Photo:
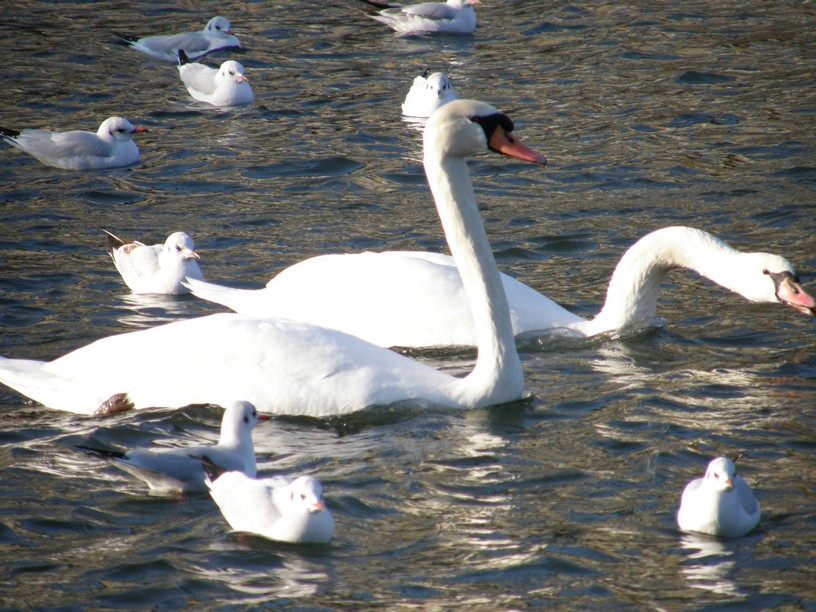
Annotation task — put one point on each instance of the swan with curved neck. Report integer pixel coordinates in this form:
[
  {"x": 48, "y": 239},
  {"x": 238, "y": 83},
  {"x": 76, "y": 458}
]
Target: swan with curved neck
[
  {"x": 417, "y": 299},
  {"x": 286, "y": 367}
]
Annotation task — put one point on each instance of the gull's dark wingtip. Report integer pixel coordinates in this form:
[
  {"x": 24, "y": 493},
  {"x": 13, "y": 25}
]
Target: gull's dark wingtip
[
  {"x": 9, "y": 133},
  {"x": 125, "y": 39}
]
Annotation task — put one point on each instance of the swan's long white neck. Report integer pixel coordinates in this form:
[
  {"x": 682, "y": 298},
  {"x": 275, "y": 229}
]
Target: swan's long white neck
[
  {"x": 498, "y": 375},
  {"x": 633, "y": 290}
]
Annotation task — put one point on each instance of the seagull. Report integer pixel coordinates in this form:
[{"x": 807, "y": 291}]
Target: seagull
[
  {"x": 453, "y": 17},
  {"x": 226, "y": 86},
  {"x": 278, "y": 508},
  {"x": 428, "y": 93},
  {"x": 179, "y": 470},
  {"x": 111, "y": 146},
  {"x": 215, "y": 35},
  {"x": 720, "y": 503},
  {"x": 159, "y": 268}
]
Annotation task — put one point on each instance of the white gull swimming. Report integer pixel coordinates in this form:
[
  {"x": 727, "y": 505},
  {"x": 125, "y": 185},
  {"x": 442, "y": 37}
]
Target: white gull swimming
[
  {"x": 111, "y": 146},
  {"x": 720, "y": 503},
  {"x": 224, "y": 86},
  {"x": 158, "y": 268},
  {"x": 278, "y": 508},
  {"x": 217, "y": 34},
  {"x": 176, "y": 470}
]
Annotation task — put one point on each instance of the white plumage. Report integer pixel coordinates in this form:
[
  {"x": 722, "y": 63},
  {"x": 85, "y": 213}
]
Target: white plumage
[
  {"x": 217, "y": 34},
  {"x": 176, "y": 470},
  {"x": 720, "y": 503},
  {"x": 278, "y": 508},
  {"x": 111, "y": 146},
  {"x": 158, "y": 268}
]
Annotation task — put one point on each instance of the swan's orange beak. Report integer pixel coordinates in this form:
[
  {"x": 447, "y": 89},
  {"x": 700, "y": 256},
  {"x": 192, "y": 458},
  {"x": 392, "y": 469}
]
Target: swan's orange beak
[
  {"x": 791, "y": 293},
  {"x": 507, "y": 144}
]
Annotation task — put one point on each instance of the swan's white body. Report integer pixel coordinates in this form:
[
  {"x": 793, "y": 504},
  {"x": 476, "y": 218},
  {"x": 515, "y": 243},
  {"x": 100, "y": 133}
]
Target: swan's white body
[
  {"x": 111, "y": 146},
  {"x": 720, "y": 503},
  {"x": 453, "y": 17},
  {"x": 428, "y": 94},
  {"x": 215, "y": 35},
  {"x": 177, "y": 470},
  {"x": 286, "y": 367},
  {"x": 416, "y": 299},
  {"x": 158, "y": 268},
  {"x": 277, "y": 508},
  {"x": 225, "y": 86}
]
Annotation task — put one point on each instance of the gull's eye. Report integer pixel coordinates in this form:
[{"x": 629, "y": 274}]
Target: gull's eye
[
  {"x": 246, "y": 419},
  {"x": 303, "y": 496}
]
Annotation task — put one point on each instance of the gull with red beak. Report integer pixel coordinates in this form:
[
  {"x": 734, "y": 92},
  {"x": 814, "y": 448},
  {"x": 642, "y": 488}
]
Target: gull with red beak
[
  {"x": 225, "y": 86},
  {"x": 452, "y": 16},
  {"x": 278, "y": 508},
  {"x": 179, "y": 470},
  {"x": 217, "y": 34},
  {"x": 158, "y": 268},
  {"x": 720, "y": 503},
  {"x": 111, "y": 146}
]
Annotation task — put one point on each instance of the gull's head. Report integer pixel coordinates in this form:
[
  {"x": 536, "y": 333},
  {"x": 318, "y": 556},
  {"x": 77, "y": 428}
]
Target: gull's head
[
  {"x": 439, "y": 84},
  {"x": 232, "y": 71},
  {"x": 219, "y": 26},
  {"x": 306, "y": 493},
  {"x": 118, "y": 128},
  {"x": 720, "y": 474},
  {"x": 180, "y": 245},
  {"x": 241, "y": 416}
]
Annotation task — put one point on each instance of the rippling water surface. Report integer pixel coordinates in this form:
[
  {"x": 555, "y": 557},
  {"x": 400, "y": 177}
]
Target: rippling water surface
[{"x": 652, "y": 113}]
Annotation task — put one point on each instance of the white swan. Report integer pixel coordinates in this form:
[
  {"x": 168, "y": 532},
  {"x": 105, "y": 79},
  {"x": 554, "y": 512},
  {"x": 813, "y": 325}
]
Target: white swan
[
  {"x": 111, "y": 146},
  {"x": 720, "y": 503},
  {"x": 286, "y": 367},
  {"x": 217, "y": 34},
  {"x": 158, "y": 268},
  {"x": 453, "y": 17},
  {"x": 416, "y": 299},
  {"x": 178, "y": 470}
]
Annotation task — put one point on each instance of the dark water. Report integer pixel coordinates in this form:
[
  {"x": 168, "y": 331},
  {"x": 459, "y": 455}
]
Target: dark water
[{"x": 652, "y": 114}]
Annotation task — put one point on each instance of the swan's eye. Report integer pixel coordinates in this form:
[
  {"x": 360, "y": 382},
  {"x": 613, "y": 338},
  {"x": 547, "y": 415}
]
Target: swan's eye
[{"x": 766, "y": 271}]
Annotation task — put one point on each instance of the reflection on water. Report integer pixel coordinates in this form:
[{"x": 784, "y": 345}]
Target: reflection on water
[{"x": 708, "y": 565}]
